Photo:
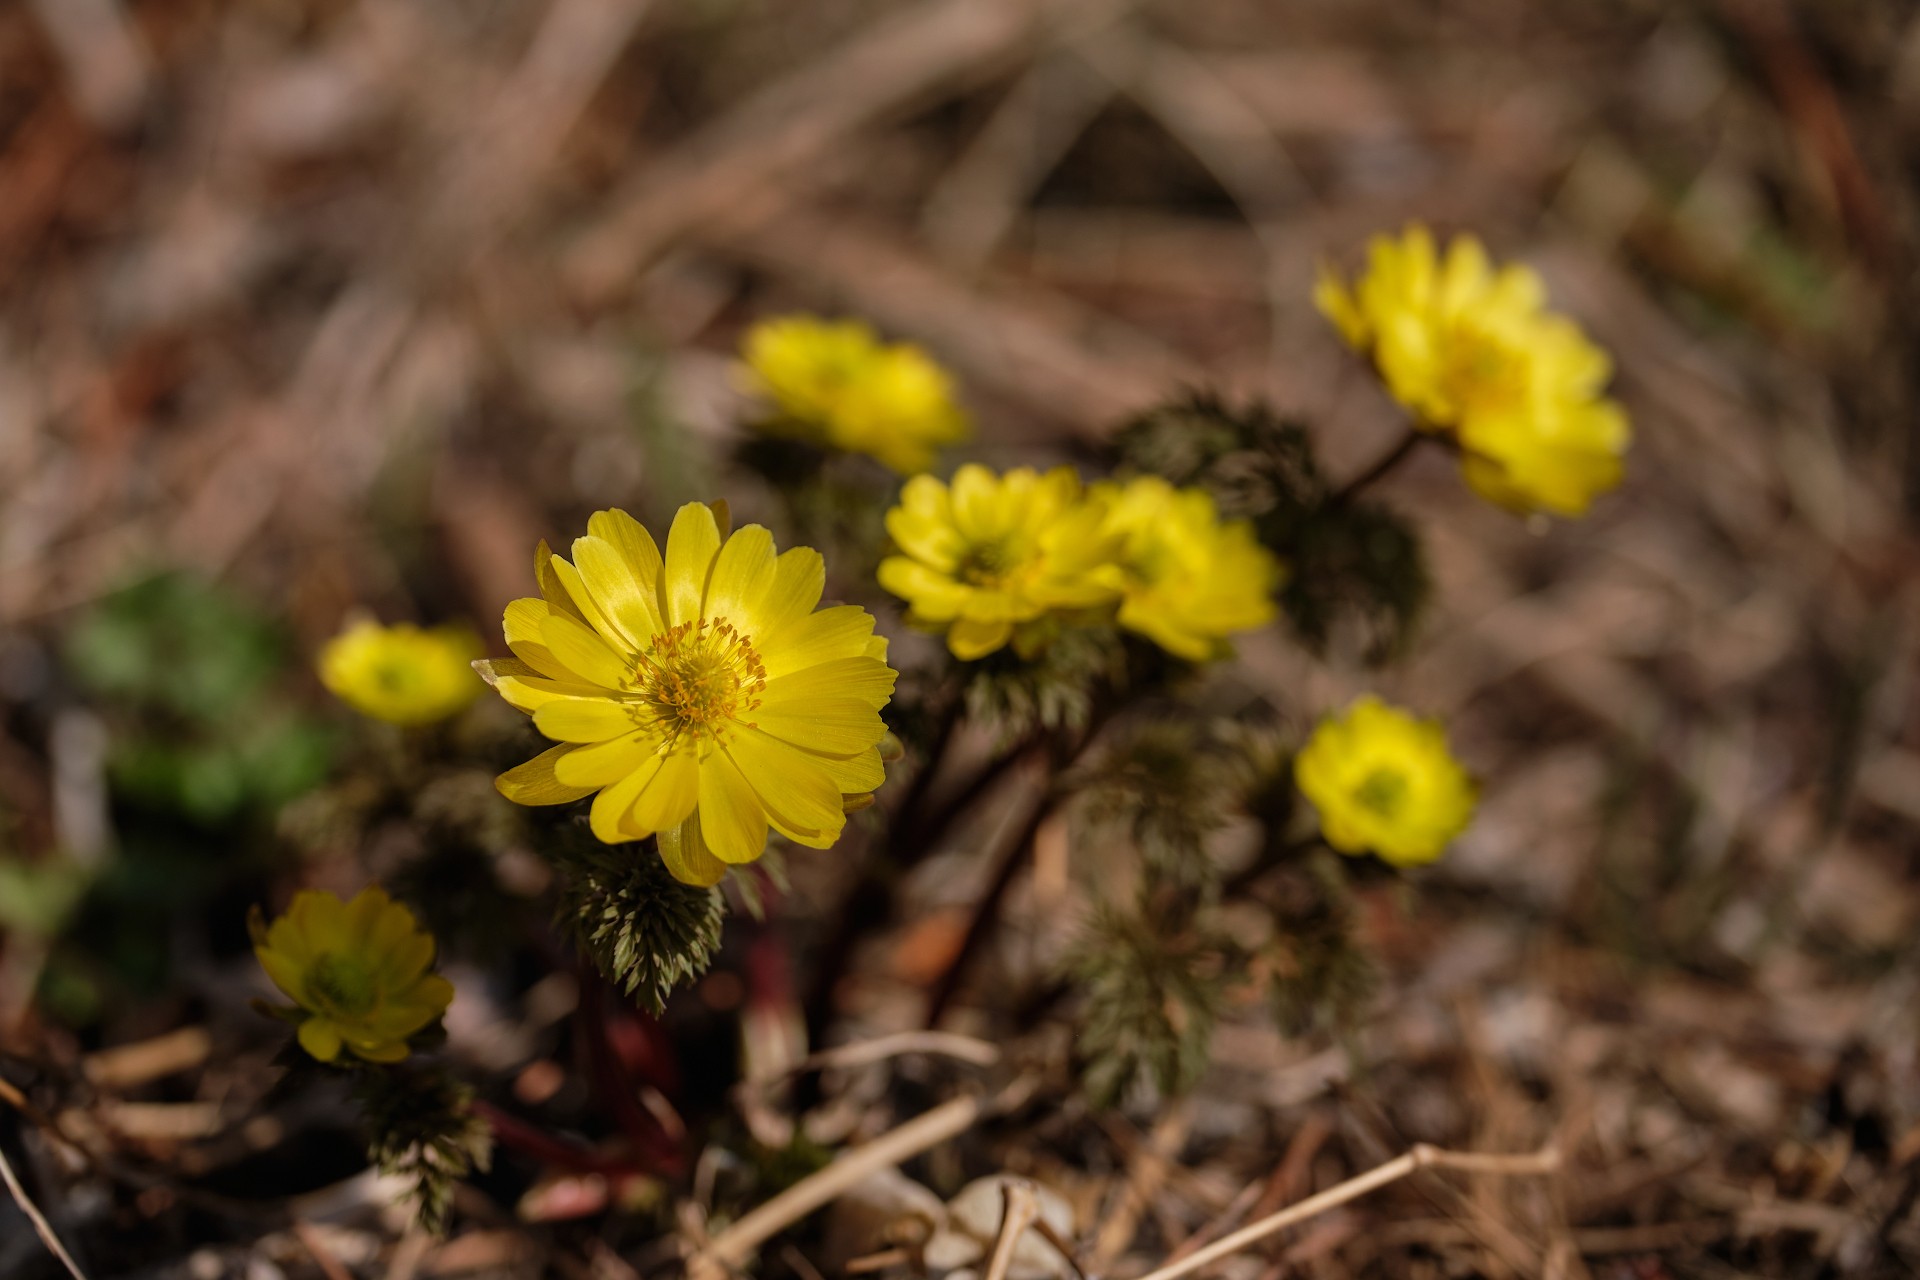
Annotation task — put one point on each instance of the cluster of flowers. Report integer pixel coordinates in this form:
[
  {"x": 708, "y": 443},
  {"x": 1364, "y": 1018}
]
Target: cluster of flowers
[
  {"x": 834, "y": 383},
  {"x": 996, "y": 559},
  {"x": 1476, "y": 359},
  {"x": 700, "y": 695}
]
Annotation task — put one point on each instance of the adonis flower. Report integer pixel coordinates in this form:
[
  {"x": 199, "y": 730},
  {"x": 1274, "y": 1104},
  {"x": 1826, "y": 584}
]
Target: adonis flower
[
  {"x": 1188, "y": 580},
  {"x": 836, "y": 384},
  {"x": 1384, "y": 782},
  {"x": 355, "y": 971},
  {"x": 1472, "y": 353},
  {"x": 402, "y": 674},
  {"x": 701, "y": 694},
  {"x": 990, "y": 552}
]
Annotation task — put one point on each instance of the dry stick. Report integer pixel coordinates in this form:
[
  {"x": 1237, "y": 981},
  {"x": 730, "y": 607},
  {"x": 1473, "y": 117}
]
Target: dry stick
[
  {"x": 736, "y": 1244},
  {"x": 947, "y": 1044},
  {"x": 41, "y": 1226},
  {"x": 317, "y": 1248},
  {"x": 1018, "y": 1209},
  {"x": 1544, "y": 1161}
]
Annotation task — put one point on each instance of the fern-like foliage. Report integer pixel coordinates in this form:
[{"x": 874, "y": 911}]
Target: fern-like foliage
[
  {"x": 1050, "y": 687},
  {"x": 1322, "y": 975},
  {"x": 1153, "y": 998},
  {"x": 1168, "y": 788},
  {"x": 647, "y": 932},
  {"x": 421, "y": 1127}
]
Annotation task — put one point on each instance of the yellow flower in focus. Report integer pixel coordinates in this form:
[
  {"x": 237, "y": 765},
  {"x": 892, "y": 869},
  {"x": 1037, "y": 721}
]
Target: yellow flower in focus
[
  {"x": 1189, "y": 581},
  {"x": 1472, "y": 353},
  {"x": 701, "y": 694},
  {"x": 402, "y": 674},
  {"x": 357, "y": 971},
  {"x": 836, "y": 384},
  {"x": 989, "y": 552},
  {"x": 1384, "y": 781}
]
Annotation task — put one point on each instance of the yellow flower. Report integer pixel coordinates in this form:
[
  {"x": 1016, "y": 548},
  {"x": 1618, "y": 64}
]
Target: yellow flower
[
  {"x": 700, "y": 693},
  {"x": 990, "y": 552},
  {"x": 1385, "y": 782},
  {"x": 836, "y": 384},
  {"x": 1471, "y": 352},
  {"x": 402, "y": 674},
  {"x": 357, "y": 972},
  {"x": 1188, "y": 580}
]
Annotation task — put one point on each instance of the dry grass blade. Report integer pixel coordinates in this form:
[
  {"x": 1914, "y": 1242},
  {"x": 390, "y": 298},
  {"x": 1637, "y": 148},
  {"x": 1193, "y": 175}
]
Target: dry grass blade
[
  {"x": 1534, "y": 1164},
  {"x": 41, "y": 1226},
  {"x": 790, "y": 123},
  {"x": 736, "y": 1244}
]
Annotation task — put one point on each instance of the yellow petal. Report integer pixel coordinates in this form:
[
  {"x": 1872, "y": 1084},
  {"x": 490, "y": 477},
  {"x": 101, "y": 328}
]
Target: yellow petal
[
  {"x": 853, "y": 774},
  {"x": 971, "y": 638},
  {"x": 742, "y": 574},
  {"x": 381, "y": 1051},
  {"x": 529, "y": 694},
  {"x": 671, "y": 795},
  {"x": 320, "y": 1038},
  {"x": 596, "y": 618},
  {"x": 795, "y": 791},
  {"x": 687, "y": 857},
  {"x": 604, "y": 763},
  {"x": 839, "y": 632},
  {"x": 692, "y": 544},
  {"x": 799, "y": 576},
  {"x": 608, "y": 817},
  {"x": 837, "y": 726},
  {"x": 287, "y": 971},
  {"x": 534, "y": 782},
  {"x": 558, "y": 598},
  {"x": 630, "y": 603},
  {"x": 635, "y": 545},
  {"x": 731, "y": 817},
  {"x": 975, "y": 495},
  {"x": 582, "y": 651},
  {"x": 585, "y": 719},
  {"x": 866, "y": 679},
  {"x": 363, "y": 916},
  {"x": 522, "y": 626}
]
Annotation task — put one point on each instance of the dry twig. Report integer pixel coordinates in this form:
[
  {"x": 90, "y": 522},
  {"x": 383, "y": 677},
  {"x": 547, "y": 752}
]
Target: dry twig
[
  {"x": 736, "y": 1244},
  {"x": 41, "y": 1226},
  {"x": 1534, "y": 1164}
]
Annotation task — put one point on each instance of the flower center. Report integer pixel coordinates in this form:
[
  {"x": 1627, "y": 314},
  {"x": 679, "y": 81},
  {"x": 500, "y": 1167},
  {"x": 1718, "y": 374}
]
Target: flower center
[
  {"x": 1382, "y": 792},
  {"x": 341, "y": 985},
  {"x": 1481, "y": 372},
  {"x": 396, "y": 676},
  {"x": 987, "y": 563},
  {"x": 699, "y": 675}
]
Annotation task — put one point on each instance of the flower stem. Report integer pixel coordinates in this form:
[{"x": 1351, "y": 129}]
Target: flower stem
[
  {"x": 1381, "y": 467},
  {"x": 987, "y": 912},
  {"x": 516, "y": 1134}
]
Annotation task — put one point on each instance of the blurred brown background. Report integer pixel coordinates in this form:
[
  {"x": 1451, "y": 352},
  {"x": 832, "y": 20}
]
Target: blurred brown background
[{"x": 351, "y": 302}]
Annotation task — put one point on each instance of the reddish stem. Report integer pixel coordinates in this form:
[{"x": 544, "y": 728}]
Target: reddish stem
[{"x": 513, "y": 1132}]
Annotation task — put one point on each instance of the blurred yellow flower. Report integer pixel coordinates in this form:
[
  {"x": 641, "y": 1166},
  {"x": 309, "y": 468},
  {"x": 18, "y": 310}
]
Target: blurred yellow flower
[
  {"x": 990, "y": 552},
  {"x": 356, "y": 972},
  {"x": 701, "y": 693},
  {"x": 1385, "y": 782},
  {"x": 1473, "y": 354},
  {"x": 836, "y": 384},
  {"x": 402, "y": 674},
  {"x": 1188, "y": 580}
]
